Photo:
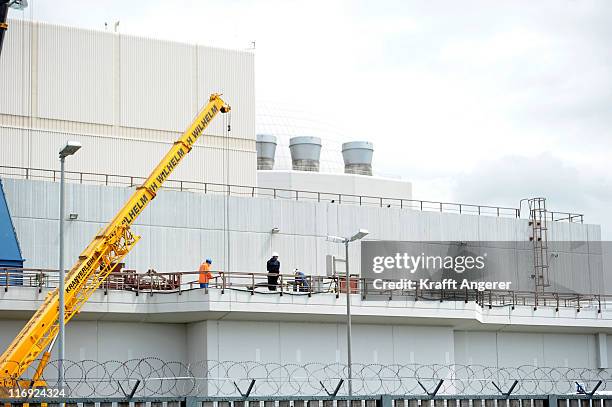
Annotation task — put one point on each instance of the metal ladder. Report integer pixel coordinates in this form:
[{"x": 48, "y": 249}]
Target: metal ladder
[{"x": 539, "y": 237}]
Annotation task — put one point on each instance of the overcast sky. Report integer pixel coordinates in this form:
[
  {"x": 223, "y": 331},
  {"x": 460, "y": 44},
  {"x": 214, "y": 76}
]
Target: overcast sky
[{"x": 475, "y": 101}]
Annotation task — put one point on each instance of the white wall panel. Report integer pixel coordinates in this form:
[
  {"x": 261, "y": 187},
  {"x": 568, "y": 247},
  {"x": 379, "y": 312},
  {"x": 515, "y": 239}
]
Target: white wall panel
[
  {"x": 75, "y": 74},
  {"x": 249, "y": 252},
  {"x": 431, "y": 225},
  {"x": 32, "y": 199},
  {"x": 15, "y": 151},
  {"x": 119, "y": 156},
  {"x": 523, "y": 230},
  {"x": 85, "y": 78},
  {"x": 77, "y": 236},
  {"x": 123, "y": 341},
  {"x": 256, "y": 217},
  {"x": 599, "y": 283},
  {"x": 348, "y": 220},
  {"x": 519, "y": 348},
  {"x": 496, "y": 229},
  {"x": 305, "y": 257},
  {"x": 538, "y": 349},
  {"x": 157, "y": 83},
  {"x": 180, "y": 229},
  {"x": 90, "y": 83},
  {"x": 248, "y": 341},
  {"x": 329, "y": 219},
  {"x": 197, "y": 341},
  {"x": 214, "y": 211},
  {"x": 297, "y": 339},
  {"x": 505, "y": 262},
  {"x": 516, "y": 349},
  {"x": 412, "y": 226},
  {"x": 475, "y": 348},
  {"x": 578, "y": 232},
  {"x": 232, "y": 74},
  {"x": 294, "y": 217},
  {"x": 383, "y": 223},
  {"x": 559, "y": 233},
  {"x": 300, "y": 343},
  {"x": 15, "y": 69},
  {"x": 215, "y": 244},
  {"x": 38, "y": 240},
  {"x": 426, "y": 345},
  {"x": 376, "y": 351},
  {"x": 459, "y": 227}
]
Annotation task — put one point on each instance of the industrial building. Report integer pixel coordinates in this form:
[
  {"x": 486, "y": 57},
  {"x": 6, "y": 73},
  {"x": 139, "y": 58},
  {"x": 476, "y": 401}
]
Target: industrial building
[{"x": 126, "y": 99}]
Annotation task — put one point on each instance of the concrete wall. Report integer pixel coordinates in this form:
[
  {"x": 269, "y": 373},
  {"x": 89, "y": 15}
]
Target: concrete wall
[
  {"x": 295, "y": 342},
  {"x": 301, "y": 343},
  {"x": 179, "y": 229},
  {"x": 332, "y": 184},
  {"x": 125, "y": 98},
  {"x": 515, "y": 349},
  {"x": 114, "y": 340}
]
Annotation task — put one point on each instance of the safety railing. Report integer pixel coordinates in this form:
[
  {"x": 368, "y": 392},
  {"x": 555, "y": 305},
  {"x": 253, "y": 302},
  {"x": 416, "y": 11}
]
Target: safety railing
[
  {"x": 280, "y": 193},
  {"x": 153, "y": 283},
  {"x": 29, "y": 277}
]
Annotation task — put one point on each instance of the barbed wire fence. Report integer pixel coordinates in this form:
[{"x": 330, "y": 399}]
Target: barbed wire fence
[{"x": 155, "y": 377}]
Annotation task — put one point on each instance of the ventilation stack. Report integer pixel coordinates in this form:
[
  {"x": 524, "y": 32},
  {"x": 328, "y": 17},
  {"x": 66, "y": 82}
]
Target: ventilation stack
[
  {"x": 266, "y": 150},
  {"x": 358, "y": 157},
  {"x": 305, "y": 153}
]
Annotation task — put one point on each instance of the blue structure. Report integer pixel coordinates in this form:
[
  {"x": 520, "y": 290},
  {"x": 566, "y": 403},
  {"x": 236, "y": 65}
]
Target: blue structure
[{"x": 10, "y": 253}]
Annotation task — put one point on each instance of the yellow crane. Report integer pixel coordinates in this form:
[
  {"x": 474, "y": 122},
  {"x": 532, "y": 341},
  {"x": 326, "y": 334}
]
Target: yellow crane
[{"x": 95, "y": 263}]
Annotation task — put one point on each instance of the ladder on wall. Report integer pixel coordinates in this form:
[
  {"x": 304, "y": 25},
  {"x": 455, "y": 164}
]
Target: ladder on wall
[{"x": 539, "y": 237}]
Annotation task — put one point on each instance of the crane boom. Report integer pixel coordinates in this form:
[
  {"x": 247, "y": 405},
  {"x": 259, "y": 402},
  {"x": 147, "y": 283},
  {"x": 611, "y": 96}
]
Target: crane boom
[{"x": 98, "y": 259}]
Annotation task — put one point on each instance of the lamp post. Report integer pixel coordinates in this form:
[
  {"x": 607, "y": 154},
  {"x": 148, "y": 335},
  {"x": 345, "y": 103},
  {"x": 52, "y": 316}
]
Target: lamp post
[
  {"x": 70, "y": 148},
  {"x": 349, "y": 334}
]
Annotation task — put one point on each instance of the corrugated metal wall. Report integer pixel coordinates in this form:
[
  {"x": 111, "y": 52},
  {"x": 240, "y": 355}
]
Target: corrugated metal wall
[
  {"x": 15, "y": 68},
  {"x": 220, "y": 70},
  {"x": 125, "y": 98},
  {"x": 181, "y": 228},
  {"x": 75, "y": 74},
  {"x": 158, "y": 86},
  {"x": 122, "y": 156}
]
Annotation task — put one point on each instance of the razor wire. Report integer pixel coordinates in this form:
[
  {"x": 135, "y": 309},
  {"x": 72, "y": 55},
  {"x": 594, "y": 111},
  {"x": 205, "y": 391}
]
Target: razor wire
[{"x": 155, "y": 377}]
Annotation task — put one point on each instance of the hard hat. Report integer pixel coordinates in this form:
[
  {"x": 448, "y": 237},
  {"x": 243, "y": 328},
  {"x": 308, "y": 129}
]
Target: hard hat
[
  {"x": 209, "y": 261},
  {"x": 274, "y": 254}
]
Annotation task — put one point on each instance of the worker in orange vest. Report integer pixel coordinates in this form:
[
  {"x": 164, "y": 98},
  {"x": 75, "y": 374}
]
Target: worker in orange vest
[{"x": 205, "y": 274}]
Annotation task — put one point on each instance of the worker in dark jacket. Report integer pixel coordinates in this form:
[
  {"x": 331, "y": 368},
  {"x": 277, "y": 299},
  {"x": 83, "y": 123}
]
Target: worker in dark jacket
[
  {"x": 300, "y": 281},
  {"x": 273, "y": 267}
]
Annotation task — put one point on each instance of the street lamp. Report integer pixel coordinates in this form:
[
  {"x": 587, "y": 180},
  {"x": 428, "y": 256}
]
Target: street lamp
[
  {"x": 346, "y": 240},
  {"x": 70, "y": 148}
]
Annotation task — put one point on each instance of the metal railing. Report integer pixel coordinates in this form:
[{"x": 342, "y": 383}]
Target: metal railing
[
  {"x": 280, "y": 193},
  {"x": 545, "y": 400},
  {"x": 152, "y": 283}
]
